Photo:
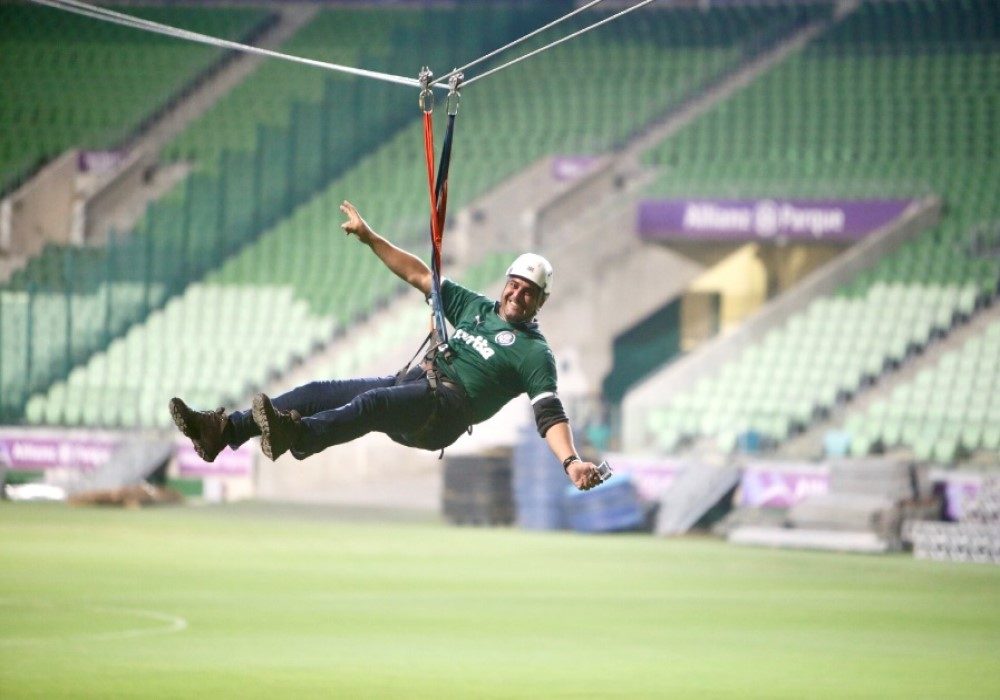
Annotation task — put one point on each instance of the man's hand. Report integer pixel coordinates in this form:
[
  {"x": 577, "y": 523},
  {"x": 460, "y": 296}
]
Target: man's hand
[
  {"x": 583, "y": 475},
  {"x": 355, "y": 224}
]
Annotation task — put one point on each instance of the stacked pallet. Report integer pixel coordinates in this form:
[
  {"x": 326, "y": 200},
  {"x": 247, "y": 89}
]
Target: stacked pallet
[{"x": 976, "y": 538}]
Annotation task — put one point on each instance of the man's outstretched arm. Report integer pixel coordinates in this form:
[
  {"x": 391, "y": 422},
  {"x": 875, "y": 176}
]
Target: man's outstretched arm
[
  {"x": 560, "y": 440},
  {"x": 406, "y": 266}
]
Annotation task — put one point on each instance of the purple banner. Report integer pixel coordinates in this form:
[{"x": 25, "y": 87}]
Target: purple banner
[
  {"x": 650, "y": 475},
  {"x": 99, "y": 161},
  {"x": 780, "y": 485},
  {"x": 710, "y": 220},
  {"x": 566, "y": 168},
  {"x": 27, "y": 452},
  {"x": 229, "y": 463},
  {"x": 960, "y": 489}
]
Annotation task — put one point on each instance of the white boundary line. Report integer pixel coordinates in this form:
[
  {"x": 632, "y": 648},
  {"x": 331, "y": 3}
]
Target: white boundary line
[{"x": 172, "y": 625}]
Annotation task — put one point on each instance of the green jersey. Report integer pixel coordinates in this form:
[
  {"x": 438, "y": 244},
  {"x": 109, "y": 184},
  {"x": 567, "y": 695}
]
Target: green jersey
[{"x": 492, "y": 359}]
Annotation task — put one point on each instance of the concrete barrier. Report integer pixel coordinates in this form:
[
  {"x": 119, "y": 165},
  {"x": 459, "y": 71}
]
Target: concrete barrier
[
  {"x": 112, "y": 193},
  {"x": 41, "y": 210}
]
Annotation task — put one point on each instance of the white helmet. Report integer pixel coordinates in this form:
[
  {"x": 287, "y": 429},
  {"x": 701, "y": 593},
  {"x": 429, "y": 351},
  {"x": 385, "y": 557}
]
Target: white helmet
[{"x": 534, "y": 268}]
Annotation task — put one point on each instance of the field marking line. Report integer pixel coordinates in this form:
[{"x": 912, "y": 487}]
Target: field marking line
[{"x": 173, "y": 624}]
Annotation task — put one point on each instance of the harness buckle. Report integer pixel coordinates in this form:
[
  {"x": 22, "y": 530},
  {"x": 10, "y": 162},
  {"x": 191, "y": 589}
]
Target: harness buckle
[{"x": 444, "y": 350}]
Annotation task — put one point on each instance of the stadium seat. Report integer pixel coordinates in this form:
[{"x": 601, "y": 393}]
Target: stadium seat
[
  {"x": 890, "y": 101},
  {"x": 72, "y": 81}
]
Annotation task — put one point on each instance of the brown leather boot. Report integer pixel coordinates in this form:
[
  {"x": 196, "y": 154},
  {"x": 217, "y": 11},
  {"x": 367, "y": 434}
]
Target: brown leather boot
[
  {"x": 204, "y": 428},
  {"x": 278, "y": 429}
]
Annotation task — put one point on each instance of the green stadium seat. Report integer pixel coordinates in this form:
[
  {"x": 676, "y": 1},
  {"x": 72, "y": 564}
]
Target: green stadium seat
[
  {"x": 72, "y": 81},
  {"x": 861, "y": 112}
]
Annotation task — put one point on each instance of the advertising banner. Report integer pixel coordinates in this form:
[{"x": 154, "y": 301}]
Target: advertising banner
[
  {"x": 745, "y": 220},
  {"x": 780, "y": 484},
  {"x": 960, "y": 490},
  {"x": 651, "y": 475},
  {"x": 98, "y": 162},
  {"x": 566, "y": 168},
  {"x": 229, "y": 463},
  {"x": 30, "y": 452}
]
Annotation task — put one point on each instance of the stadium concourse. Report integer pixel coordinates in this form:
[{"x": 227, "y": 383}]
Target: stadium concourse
[{"x": 775, "y": 229}]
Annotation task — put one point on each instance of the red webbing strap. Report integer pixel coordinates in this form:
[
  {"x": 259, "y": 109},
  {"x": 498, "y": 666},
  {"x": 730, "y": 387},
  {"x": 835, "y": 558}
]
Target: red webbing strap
[
  {"x": 436, "y": 219},
  {"x": 438, "y": 194}
]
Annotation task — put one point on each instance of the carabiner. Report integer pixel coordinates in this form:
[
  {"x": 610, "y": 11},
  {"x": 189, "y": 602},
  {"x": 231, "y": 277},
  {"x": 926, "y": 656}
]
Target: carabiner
[
  {"x": 426, "y": 100},
  {"x": 454, "y": 97}
]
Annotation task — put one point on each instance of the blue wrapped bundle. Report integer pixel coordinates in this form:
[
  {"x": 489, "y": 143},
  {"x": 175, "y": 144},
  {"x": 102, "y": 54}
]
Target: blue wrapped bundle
[{"x": 612, "y": 506}]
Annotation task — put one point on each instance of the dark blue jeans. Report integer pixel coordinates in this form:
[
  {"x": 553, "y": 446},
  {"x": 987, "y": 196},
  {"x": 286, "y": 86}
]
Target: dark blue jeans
[{"x": 338, "y": 411}]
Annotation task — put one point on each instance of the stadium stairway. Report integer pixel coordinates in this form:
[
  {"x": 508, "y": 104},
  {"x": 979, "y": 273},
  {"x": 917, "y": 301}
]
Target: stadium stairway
[
  {"x": 70, "y": 90},
  {"x": 291, "y": 18},
  {"x": 73, "y": 81},
  {"x": 132, "y": 201}
]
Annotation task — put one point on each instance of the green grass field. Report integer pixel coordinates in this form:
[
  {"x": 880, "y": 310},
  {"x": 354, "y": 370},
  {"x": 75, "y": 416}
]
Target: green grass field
[{"x": 267, "y": 601}]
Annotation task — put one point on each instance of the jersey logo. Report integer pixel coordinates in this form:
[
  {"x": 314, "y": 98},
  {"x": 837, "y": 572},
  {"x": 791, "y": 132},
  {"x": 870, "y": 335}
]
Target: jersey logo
[
  {"x": 476, "y": 342},
  {"x": 505, "y": 338}
]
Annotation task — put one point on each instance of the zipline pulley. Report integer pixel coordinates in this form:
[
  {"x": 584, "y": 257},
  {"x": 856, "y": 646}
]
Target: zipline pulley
[
  {"x": 454, "y": 96},
  {"x": 426, "y": 99}
]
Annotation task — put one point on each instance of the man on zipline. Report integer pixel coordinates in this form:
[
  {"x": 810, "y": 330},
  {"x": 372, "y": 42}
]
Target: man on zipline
[{"x": 495, "y": 354}]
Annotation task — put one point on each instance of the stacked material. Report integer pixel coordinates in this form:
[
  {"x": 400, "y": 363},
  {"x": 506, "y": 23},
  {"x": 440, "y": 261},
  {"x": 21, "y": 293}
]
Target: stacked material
[
  {"x": 539, "y": 484},
  {"x": 477, "y": 490},
  {"x": 861, "y": 512},
  {"x": 976, "y": 538},
  {"x": 612, "y": 506}
]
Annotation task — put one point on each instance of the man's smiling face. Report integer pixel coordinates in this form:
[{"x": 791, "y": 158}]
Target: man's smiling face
[{"x": 520, "y": 300}]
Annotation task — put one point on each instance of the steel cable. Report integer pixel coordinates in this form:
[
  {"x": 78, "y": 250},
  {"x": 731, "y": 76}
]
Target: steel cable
[{"x": 125, "y": 20}]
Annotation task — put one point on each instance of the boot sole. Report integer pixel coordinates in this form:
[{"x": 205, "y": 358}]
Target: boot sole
[
  {"x": 178, "y": 411},
  {"x": 263, "y": 414}
]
